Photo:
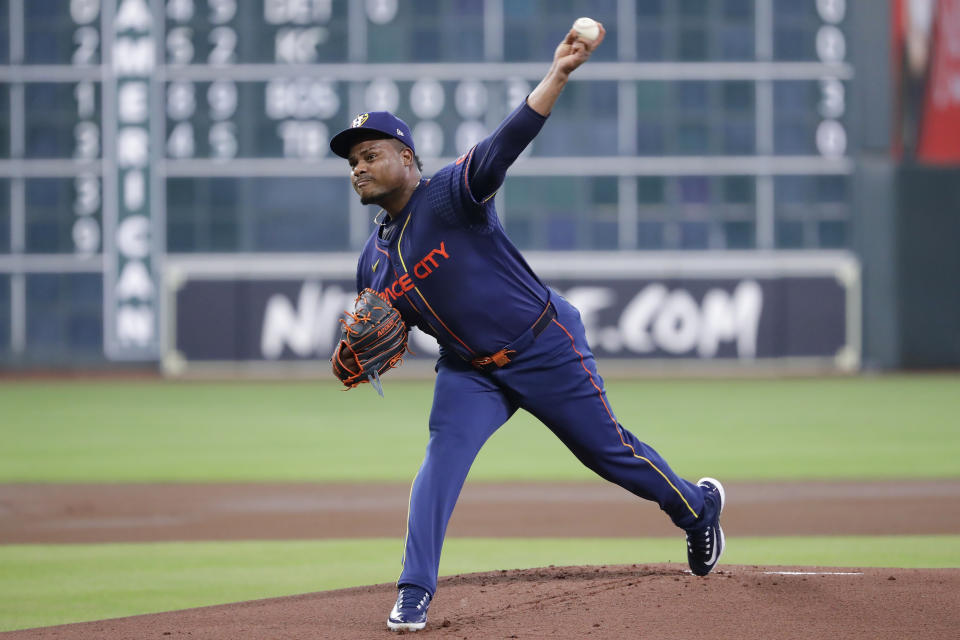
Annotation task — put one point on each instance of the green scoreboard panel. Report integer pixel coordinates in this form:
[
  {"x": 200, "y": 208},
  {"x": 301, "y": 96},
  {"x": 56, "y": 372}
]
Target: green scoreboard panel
[{"x": 133, "y": 129}]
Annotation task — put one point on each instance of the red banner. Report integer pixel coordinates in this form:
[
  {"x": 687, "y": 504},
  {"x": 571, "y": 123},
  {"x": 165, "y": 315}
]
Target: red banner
[{"x": 926, "y": 63}]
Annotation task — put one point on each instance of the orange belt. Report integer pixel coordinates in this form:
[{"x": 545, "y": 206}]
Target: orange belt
[{"x": 502, "y": 358}]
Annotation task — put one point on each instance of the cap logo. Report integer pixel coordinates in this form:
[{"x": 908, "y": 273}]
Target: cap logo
[
  {"x": 359, "y": 120},
  {"x": 399, "y": 133}
]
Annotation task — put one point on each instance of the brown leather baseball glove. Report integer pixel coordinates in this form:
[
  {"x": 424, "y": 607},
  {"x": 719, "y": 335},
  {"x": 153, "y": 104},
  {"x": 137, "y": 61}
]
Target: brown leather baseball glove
[{"x": 373, "y": 340}]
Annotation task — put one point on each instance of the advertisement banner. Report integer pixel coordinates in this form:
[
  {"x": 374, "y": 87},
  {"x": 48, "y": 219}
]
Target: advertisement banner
[{"x": 725, "y": 318}]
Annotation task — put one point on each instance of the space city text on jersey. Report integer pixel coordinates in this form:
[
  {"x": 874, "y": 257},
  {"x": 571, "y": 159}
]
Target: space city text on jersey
[{"x": 421, "y": 271}]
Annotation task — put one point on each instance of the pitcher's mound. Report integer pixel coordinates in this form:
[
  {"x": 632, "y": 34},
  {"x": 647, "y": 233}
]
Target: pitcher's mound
[{"x": 558, "y": 603}]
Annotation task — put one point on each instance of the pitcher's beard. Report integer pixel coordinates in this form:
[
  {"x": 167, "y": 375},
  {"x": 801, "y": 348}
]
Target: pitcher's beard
[{"x": 376, "y": 198}]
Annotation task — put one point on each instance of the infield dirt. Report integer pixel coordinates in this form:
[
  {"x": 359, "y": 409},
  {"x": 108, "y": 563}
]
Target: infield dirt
[{"x": 635, "y": 601}]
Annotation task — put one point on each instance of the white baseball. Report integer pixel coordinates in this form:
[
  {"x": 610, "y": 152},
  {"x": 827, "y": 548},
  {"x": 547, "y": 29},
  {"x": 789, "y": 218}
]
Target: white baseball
[{"x": 587, "y": 29}]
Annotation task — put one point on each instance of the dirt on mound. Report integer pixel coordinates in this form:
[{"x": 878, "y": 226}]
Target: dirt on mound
[{"x": 560, "y": 603}]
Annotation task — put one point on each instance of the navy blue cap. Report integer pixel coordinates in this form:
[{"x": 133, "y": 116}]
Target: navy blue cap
[{"x": 381, "y": 121}]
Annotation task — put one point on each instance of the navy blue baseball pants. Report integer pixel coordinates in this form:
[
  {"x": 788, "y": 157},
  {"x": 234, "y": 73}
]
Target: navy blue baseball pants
[{"x": 555, "y": 379}]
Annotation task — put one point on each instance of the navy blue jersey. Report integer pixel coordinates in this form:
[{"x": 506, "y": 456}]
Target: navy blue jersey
[{"x": 445, "y": 261}]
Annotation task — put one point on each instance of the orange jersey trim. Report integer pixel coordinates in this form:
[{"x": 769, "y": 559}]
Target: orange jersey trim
[
  {"x": 419, "y": 293},
  {"x": 409, "y": 301}
]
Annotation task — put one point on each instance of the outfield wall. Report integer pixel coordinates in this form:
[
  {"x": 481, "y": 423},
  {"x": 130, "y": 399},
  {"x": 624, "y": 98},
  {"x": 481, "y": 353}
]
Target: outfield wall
[{"x": 789, "y": 312}]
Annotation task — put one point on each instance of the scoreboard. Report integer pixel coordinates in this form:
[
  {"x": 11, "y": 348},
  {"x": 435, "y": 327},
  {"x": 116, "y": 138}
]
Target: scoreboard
[{"x": 136, "y": 130}]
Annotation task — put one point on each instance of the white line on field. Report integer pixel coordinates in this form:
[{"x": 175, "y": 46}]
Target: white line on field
[{"x": 813, "y": 573}]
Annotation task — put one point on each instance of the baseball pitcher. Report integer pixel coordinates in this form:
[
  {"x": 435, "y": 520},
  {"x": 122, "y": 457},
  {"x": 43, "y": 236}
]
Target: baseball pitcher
[{"x": 440, "y": 258}]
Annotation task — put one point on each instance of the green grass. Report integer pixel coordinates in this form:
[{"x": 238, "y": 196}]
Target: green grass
[
  {"x": 109, "y": 432},
  {"x": 43, "y": 585},
  {"x": 865, "y": 427}
]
